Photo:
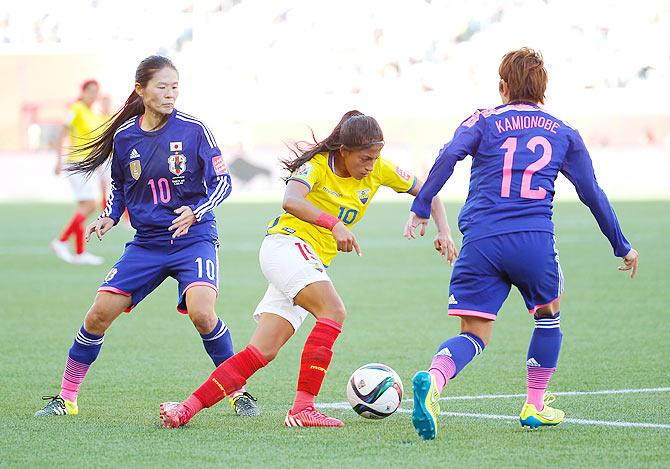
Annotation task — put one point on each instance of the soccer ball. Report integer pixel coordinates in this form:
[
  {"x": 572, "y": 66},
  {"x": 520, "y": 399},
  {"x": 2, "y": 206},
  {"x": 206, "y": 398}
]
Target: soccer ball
[{"x": 374, "y": 391}]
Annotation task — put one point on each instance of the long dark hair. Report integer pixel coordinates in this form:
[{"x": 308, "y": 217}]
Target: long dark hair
[
  {"x": 355, "y": 131},
  {"x": 99, "y": 149}
]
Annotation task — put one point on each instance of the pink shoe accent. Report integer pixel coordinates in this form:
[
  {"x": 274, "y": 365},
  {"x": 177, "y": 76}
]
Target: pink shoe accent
[
  {"x": 302, "y": 401},
  {"x": 73, "y": 376},
  {"x": 443, "y": 368},
  {"x": 538, "y": 380},
  {"x": 311, "y": 417}
]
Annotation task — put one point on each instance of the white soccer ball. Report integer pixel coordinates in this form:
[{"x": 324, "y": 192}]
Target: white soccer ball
[{"x": 374, "y": 391}]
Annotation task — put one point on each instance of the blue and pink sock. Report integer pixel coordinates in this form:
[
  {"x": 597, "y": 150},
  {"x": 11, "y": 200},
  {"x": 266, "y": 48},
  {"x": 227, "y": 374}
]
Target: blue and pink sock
[
  {"x": 453, "y": 355},
  {"x": 84, "y": 351},
  {"x": 545, "y": 345}
]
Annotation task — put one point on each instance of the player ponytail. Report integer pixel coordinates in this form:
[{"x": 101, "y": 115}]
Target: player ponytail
[
  {"x": 355, "y": 131},
  {"x": 523, "y": 71},
  {"x": 99, "y": 149}
]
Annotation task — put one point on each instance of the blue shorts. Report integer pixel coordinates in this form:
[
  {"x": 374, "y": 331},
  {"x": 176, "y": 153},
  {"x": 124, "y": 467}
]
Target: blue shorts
[
  {"x": 487, "y": 268},
  {"x": 144, "y": 265}
]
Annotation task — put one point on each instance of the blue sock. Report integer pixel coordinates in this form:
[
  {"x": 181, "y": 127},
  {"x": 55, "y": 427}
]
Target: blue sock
[
  {"x": 545, "y": 344},
  {"x": 86, "y": 347},
  {"x": 218, "y": 343},
  {"x": 84, "y": 351},
  {"x": 461, "y": 349}
]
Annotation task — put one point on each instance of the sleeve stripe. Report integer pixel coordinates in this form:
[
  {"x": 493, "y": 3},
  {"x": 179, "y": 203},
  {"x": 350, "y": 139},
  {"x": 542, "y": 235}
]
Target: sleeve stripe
[
  {"x": 127, "y": 124},
  {"x": 299, "y": 180},
  {"x": 220, "y": 193},
  {"x": 412, "y": 187},
  {"x": 210, "y": 199},
  {"x": 208, "y": 134},
  {"x": 214, "y": 201},
  {"x": 108, "y": 205}
]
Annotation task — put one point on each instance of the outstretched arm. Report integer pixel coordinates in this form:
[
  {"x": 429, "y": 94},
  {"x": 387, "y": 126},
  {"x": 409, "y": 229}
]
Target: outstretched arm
[
  {"x": 578, "y": 168},
  {"x": 444, "y": 243},
  {"x": 296, "y": 204}
]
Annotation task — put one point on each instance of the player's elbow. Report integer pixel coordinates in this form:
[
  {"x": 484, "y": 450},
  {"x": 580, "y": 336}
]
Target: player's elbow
[{"x": 289, "y": 204}]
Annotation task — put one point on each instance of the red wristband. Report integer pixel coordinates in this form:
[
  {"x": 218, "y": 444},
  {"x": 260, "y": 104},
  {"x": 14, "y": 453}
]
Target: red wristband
[{"x": 326, "y": 220}]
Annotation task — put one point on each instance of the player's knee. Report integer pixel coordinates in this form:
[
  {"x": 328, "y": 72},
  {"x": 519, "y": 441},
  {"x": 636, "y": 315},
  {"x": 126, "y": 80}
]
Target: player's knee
[
  {"x": 97, "y": 320},
  {"x": 87, "y": 207},
  {"x": 547, "y": 311},
  {"x": 337, "y": 313},
  {"x": 270, "y": 352},
  {"x": 204, "y": 319}
]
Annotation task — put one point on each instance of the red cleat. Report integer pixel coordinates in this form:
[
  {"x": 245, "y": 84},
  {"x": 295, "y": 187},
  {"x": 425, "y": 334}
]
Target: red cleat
[
  {"x": 174, "y": 414},
  {"x": 310, "y": 417}
]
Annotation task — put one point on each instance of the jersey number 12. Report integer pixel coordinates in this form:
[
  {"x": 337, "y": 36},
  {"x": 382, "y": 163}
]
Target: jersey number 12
[{"x": 526, "y": 191}]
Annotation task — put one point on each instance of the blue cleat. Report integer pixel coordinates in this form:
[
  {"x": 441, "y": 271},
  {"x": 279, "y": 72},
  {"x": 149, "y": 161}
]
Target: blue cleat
[{"x": 426, "y": 405}]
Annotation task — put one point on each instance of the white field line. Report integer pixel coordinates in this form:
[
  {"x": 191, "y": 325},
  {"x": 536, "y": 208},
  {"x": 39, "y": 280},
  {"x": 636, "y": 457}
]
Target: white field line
[
  {"x": 602, "y": 423},
  {"x": 565, "y": 393}
]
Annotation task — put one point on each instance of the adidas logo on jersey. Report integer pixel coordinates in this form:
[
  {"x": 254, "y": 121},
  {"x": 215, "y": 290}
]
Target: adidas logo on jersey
[
  {"x": 532, "y": 362},
  {"x": 134, "y": 154},
  {"x": 452, "y": 300}
]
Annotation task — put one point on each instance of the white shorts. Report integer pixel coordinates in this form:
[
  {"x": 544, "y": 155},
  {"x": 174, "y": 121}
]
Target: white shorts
[
  {"x": 289, "y": 264},
  {"x": 84, "y": 187}
]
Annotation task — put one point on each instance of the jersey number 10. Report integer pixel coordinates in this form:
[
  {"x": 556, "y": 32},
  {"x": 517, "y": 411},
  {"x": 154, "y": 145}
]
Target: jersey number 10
[
  {"x": 526, "y": 191},
  {"x": 163, "y": 190}
]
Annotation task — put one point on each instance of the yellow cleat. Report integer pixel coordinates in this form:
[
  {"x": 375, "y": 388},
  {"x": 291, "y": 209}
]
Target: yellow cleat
[
  {"x": 426, "y": 405},
  {"x": 57, "y": 406},
  {"x": 548, "y": 416}
]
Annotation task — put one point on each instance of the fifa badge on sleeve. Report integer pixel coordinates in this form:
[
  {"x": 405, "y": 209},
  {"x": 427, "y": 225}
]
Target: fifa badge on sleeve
[{"x": 219, "y": 165}]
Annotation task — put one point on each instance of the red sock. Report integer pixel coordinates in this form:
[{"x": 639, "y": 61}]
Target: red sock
[
  {"x": 69, "y": 230},
  {"x": 193, "y": 403},
  {"x": 230, "y": 376},
  {"x": 314, "y": 362},
  {"x": 79, "y": 237}
]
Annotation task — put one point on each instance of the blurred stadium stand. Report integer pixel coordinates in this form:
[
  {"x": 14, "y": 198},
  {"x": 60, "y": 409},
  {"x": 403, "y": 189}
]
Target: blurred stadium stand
[{"x": 260, "y": 71}]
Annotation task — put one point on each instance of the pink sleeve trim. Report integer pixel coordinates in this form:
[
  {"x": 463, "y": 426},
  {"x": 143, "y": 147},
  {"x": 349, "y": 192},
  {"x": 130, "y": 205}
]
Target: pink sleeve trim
[
  {"x": 467, "y": 312},
  {"x": 536, "y": 307}
]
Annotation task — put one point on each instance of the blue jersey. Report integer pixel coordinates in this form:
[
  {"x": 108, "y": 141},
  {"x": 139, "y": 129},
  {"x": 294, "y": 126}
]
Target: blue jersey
[
  {"x": 154, "y": 173},
  {"x": 518, "y": 150}
]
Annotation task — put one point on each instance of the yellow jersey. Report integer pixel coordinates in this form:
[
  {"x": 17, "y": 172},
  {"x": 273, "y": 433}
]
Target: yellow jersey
[
  {"x": 345, "y": 198},
  {"x": 82, "y": 122}
]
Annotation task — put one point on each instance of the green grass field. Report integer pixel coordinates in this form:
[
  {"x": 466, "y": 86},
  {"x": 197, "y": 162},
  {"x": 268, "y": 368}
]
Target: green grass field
[{"x": 616, "y": 337}]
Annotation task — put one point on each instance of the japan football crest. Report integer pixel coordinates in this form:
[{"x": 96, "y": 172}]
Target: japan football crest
[
  {"x": 176, "y": 160},
  {"x": 177, "y": 164},
  {"x": 135, "y": 169}
]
